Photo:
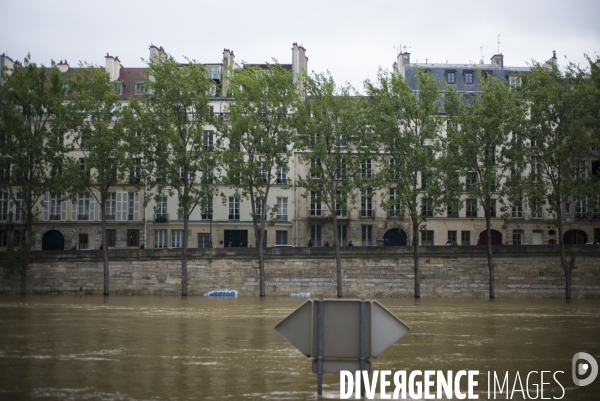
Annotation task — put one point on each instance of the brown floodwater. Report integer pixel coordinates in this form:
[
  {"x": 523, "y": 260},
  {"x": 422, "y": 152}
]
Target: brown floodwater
[{"x": 169, "y": 348}]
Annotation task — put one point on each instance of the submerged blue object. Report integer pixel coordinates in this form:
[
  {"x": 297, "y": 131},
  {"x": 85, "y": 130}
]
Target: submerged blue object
[{"x": 222, "y": 293}]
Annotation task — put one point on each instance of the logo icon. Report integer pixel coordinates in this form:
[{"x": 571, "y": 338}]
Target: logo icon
[{"x": 580, "y": 369}]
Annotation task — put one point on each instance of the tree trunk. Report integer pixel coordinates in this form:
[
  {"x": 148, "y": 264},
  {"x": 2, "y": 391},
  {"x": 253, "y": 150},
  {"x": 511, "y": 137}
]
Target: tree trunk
[
  {"x": 104, "y": 244},
  {"x": 184, "y": 284},
  {"x": 563, "y": 262},
  {"x": 416, "y": 255},
  {"x": 25, "y": 265},
  {"x": 261, "y": 262},
  {"x": 338, "y": 259},
  {"x": 489, "y": 253}
]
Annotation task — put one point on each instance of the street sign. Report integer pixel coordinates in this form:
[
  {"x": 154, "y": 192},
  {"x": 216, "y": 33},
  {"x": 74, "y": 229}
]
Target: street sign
[{"x": 341, "y": 334}]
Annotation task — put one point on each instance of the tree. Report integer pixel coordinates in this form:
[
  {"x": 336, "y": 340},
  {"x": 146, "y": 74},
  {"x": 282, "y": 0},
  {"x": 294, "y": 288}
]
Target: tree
[
  {"x": 331, "y": 134},
  {"x": 259, "y": 134},
  {"x": 409, "y": 130},
  {"x": 102, "y": 145},
  {"x": 559, "y": 145},
  {"x": 182, "y": 149},
  {"x": 480, "y": 132},
  {"x": 33, "y": 121}
]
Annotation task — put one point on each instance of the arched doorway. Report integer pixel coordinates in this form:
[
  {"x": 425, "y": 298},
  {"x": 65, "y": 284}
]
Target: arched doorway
[
  {"x": 394, "y": 237},
  {"x": 496, "y": 237},
  {"x": 575, "y": 237},
  {"x": 53, "y": 241}
]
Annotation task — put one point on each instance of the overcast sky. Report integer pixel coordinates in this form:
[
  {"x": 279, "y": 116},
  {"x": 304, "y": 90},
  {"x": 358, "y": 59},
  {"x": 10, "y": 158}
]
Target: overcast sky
[{"x": 351, "y": 39}]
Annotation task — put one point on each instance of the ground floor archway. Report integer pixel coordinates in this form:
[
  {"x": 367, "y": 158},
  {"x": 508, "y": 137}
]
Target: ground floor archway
[
  {"x": 394, "y": 237},
  {"x": 496, "y": 237},
  {"x": 575, "y": 237},
  {"x": 53, "y": 240}
]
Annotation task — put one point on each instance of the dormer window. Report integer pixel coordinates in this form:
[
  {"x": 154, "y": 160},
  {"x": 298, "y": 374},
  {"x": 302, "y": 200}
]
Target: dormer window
[
  {"x": 451, "y": 77},
  {"x": 139, "y": 88},
  {"x": 118, "y": 87},
  {"x": 469, "y": 77}
]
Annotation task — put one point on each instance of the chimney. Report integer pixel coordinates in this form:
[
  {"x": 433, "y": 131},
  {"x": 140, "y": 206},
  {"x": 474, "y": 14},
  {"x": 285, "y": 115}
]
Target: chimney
[
  {"x": 402, "y": 61},
  {"x": 227, "y": 70},
  {"x": 113, "y": 66},
  {"x": 63, "y": 66},
  {"x": 157, "y": 52},
  {"x": 498, "y": 60},
  {"x": 299, "y": 61},
  {"x": 6, "y": 65}
]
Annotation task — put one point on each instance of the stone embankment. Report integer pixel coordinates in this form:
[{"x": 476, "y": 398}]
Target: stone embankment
[{"x": 453, "y": 271}]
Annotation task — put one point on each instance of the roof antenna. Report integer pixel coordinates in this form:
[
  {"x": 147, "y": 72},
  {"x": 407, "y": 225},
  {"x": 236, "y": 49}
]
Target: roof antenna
[
  {"x": 499, "y": 42},
  {"x": 481, "y": 52},
  {"x": 400, "y": 49}
]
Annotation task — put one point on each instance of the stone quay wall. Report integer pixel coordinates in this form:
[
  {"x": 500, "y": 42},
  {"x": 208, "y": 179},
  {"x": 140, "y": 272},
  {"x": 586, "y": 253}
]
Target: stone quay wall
[{"x": 452, "y": 271}]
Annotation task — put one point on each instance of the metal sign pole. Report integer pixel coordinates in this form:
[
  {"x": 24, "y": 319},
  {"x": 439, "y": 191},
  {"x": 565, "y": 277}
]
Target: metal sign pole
[
  {"x": 363, "y": 343},
  {"x": 320, "y": 327}
]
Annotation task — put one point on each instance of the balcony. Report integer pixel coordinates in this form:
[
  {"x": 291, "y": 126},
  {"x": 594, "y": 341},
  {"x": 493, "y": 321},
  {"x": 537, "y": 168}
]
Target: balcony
[
  {"x": 55, "y": 217},
  {"x": 110, "y": 217},
  {"x": 366, "y": 213},
  {"x": 282, "y": 217},
  {"x": 281, "y": 181},
  {"x": 161, "y": 217},
  {"x": 83, "y": 217}
]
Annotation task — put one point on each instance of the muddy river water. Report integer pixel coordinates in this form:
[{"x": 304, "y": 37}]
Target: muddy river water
[{"x": 169, "y": 348}]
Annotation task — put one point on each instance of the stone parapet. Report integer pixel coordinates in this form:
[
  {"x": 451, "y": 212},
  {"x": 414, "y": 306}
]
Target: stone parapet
[{"x": 445, "y": 271}]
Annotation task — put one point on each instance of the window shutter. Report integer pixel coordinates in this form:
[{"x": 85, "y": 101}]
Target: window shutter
[
  {"x": 136, "y": 206},
  {"x": 63, "y": 208},
  {"x": 92, "y": 207},
  {"x": 124, "y": 205},
  {"x": 119, "y": 206},
  {"x": 45, "y": 206},
  {"x": 74, "y": 209}
]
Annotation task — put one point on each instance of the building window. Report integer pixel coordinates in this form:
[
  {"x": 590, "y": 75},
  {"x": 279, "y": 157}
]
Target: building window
[
  {"x": 82, "y": 139},
  {"x": 471, "y": 207},
  {"x": 465, "y": 237},
  {"x": 427, "y": 238},
  {"x": 315, "y": 234},
  {"x": 567, "y": 208},
  {"x": 517, "y": 237},
  {"x": 393, "y": 170},
  {"x": 110, "y": 206},
  {"x": 452, "y": 237},
  {"x": 342, "y": 234},
  {"x": 234, "y": 208},
  {"x": 366, "y": 169},
  {"x": 394, "y": 206},
  {"x": 83, "y": 206},
  {"x": 427, "y": 207},
  {"x": 341, "y": 206},
  {"x": 282, "y": 209},
  {"x": 366, "y": 202},
  {"x": 177, "y": 238},
  {"x": 536, "y": 210},
  {"x": 160, "y": 239},
  {"x": 54, "y": 206},
  {"x": 367, "y": 235},
  {"x": 204, "y": 241},
  {"x": 160, "y": 210},
  {"x": 451, "y": 77},
  {"x": 581, "y": 211},
  {"x": 207, "y": 140},
  {"x": 206, "y": 208},
  {"x": 134, "y": 174},
  {"x": 139, "y": 88},
  {"x": 281, "y": 175},
  {"x": 471, "y": 181},
  {"x": 468, "y": 77},
  {"x": 83, "y": 241},
  {"x": 315, "y": 203},
  {"x": 315, "y": 173},
  {"x": 492, "y": 207},
  {"x": 517, "y": 208},
  {"x": 262, "y": 172},
  {"x": 111, "y": 237},
  {"x": 452, "y": 210},
  {"x": 133, "y": 237},
  {"x": 341, "y": 169},
  {"x": 4, "y": 206},
  {"x": 514, "y": 82},
  {"x": 83, "y": 173},
  {"x": 281, "y": 237}
]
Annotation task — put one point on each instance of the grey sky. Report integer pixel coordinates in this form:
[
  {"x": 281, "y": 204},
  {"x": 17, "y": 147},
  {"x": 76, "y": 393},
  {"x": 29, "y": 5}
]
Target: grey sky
[{"x": 349, "y": 38}]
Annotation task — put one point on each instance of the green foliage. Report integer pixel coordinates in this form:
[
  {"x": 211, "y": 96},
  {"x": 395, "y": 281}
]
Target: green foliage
[
  {"x": 33, "y": 121},
  {"x": 336, "y": 143},
  {"x": 260, "y": 135},
  {"x": 178, "y": 134}
]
